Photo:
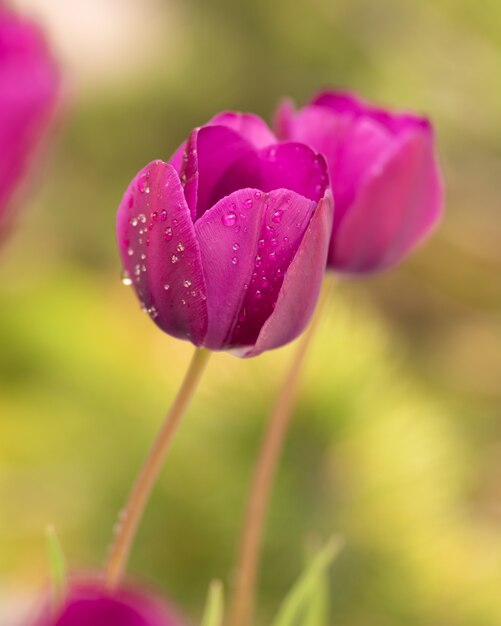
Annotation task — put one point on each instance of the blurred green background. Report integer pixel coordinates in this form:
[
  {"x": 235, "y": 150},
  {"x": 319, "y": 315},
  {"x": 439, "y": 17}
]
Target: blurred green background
[{"x": 396, "y": 441}]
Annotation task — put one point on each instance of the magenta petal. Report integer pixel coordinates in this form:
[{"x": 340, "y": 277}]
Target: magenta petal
[
  {"x": 90, "y": 604},
  {"x": 292, "y": 166},
  {"x": 228, "y": 237},
  {"x": 247, "y": 125},
  {"x": 29, "y": 81},
  {"x": 396, "y": 207},
  {"x": 257, "y": 236},
  {"x": 210, "y": 151},
  {"x": 301, "y": 286},
  {"x": 353, "y": 106},
  {"x": 161, "y": 254}
]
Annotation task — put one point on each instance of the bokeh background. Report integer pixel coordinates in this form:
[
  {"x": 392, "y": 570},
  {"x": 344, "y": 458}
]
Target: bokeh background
[{"x": 396, "y": 441}]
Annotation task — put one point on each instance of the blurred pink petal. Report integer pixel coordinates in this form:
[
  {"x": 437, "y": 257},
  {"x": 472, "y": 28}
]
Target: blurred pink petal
[
  {"x": 384, "y": 176},
  {"x": 29, "y": 81}
]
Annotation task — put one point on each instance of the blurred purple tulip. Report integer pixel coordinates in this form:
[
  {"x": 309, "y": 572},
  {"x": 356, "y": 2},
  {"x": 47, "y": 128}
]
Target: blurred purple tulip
[
  {"x": 226, "y": 244},
  {"x": 29, "y": 82},
  {"x": 90, "y": 604},
  {"x": 384, "y": 177}
]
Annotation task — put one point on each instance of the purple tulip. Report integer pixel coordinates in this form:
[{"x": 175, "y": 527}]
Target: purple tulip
[
  {"x": 226, "y": 244},
  {"x": 91, "y": 604},
  {"x": 384, "y": 177},
  {"x": 29, "y": 82}
]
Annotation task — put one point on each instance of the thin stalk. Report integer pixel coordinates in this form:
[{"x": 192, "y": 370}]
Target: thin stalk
[
  {"x": 132, "y": 514},
  {"x": 249, "y": 554}
]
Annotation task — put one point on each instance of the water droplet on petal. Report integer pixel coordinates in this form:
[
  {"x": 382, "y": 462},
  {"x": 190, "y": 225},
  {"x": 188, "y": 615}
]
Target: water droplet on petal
[
  {"x": 142, "y": 218},
  {"x": 163, "y": 215},
  {"x": 236, "y": 246},
  {"x": 229, "y": 219},
  {"x": 180, "y": 246},
  {"x": 174, "y": 258},
  {"x": 277, "y": 216},
  {"x": 126, "y": 279},
  {"x": 259, "y": 295},
  {"x": 187, "y": 283},
  {"x": 257, "y": 195},
  {"x": 133, "y": 221},
  {"x": 248, "y": 203},
  {"x": 166, "y": 286},
  {"x": 168, "y": 233},
  {"x": 260, "y": 243},
  {"x": 130, "y": 251},
  {"x": 234, "y": 260},
  {"x": 142, "y": 184}
]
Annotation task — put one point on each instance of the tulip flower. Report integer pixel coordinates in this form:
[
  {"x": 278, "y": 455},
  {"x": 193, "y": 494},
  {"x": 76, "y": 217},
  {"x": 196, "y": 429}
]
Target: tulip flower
[
  {"x": 226, "y": 244},
  {"x": 29, "y": 82},
  {"x": 92, "y": 604},
  {"x": 384, "y": 177}
]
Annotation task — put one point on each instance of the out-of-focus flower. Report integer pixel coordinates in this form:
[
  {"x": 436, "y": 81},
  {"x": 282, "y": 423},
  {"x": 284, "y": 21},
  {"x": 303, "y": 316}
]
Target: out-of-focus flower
[
  {"x": 29, "y": 81},
  {"x": 90, "y": 604},
  {"x": 226, "y": 244},
  {"x": 384, "y": 176}
]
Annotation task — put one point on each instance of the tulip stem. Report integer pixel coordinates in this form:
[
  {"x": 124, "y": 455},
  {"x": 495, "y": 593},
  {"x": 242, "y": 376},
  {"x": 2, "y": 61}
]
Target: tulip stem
[
  {"x": 250, "y": 548},
  {"x": 131, "y": 515}
]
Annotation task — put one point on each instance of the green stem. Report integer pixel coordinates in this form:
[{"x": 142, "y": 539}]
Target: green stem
[{"x": 132, "y": 514}]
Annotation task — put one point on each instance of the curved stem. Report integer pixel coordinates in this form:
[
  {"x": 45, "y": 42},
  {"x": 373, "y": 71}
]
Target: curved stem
[
  {"x": 131, "y": 515},
  {"x": 249, "y": 555}
]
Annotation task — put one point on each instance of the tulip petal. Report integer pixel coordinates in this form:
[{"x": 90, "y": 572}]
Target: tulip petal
[
  {"x": 161, "y": 254},
  {"x": 257, "y": 236},
  {"x": 289, "y": 165},
  {"x": 90, "y": 604},
  {"x": 210, "y": 151},
  {"x": 395, "y": 208},
  {"x": 349, "y": 104},
  {"x": 29, "y": 81},
  {"x": 301, "y": 286},
  {"x": 247, "y": 125}
]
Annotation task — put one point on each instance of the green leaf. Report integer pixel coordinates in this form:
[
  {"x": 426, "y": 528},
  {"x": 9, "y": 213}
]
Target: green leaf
[
  {"x": 304, "y": 601},
  {"x": 214, "y": 607},
  {"x": 57, "y": 566}
]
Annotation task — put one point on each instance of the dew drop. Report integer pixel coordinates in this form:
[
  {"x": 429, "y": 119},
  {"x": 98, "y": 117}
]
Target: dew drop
[
  {"x": 133, "y": 221},
  {"x": 175, "y": 222},
  {"x": 236, "y": 246},
  {"x": 142, "y": 184},
  {"x": 163, "y": 215},
  {"x": 187, "y": 283},
  {"x": 248, "y": 203},
  {"x": 168, "y": 233},
  {"x": 174, "y": 258},
  {"x": 180, "y": 246},
  {"x": 130, "y": 251},
  {"x": 277, "y": 216},
  {"x": 126, "y": 279},
  {"x": 234, "y": 260},
  {"x": 154, "y": 216},
  {"x": 166, "y": 287},
  {"x": 260, "y": 243},
  {"x": 143, "y": 256},
  {"x": 142, "y": 218},
  {"x": 265, "y": 282},
  {"x": 259, "y": 295},
  {"x": 257, "y": 195},
  {"x": 229, "y": 219}
]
